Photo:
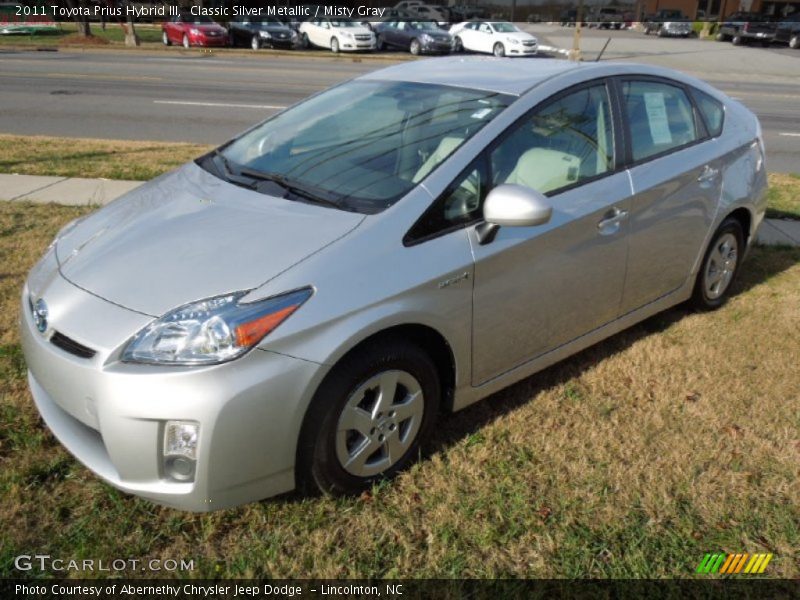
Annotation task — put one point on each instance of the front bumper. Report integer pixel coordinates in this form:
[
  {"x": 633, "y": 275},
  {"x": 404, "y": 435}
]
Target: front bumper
[
  {"x": 205, "y": 40},
  {"x": 437, "y": 46},
  {"x": 111, "y": 415},
  {"x": 521, "y": 50}
]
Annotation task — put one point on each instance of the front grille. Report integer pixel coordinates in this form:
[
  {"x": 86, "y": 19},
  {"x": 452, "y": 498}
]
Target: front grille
[
  {"x": 363, "y": 37},
  {"x": 71, "y": 346}
]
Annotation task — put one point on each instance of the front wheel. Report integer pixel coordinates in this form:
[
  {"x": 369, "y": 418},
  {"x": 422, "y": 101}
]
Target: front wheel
[
  {"x": 165, "y": 39},
  {"x": 335, "y": 45},
  {"x": 415, "y": 48},
  {"x": 720, "y": 266},
  {"x": 379, "y": 43},
  {"x": 737, "y": 40},
  {"x": 794, "y": 42},
  {"x": 255, "y": 43},
  {"x": 304, "y": 42},
  {"x": 368, "y": 419},
  {"x": 185, "y": 41},
  {"x": 499, "y": 50},
  {"x": 458, "y": 45}
]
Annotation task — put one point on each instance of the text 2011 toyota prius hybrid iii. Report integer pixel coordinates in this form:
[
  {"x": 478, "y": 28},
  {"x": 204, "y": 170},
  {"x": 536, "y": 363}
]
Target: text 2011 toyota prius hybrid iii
[{"x": 297, "y": 307}]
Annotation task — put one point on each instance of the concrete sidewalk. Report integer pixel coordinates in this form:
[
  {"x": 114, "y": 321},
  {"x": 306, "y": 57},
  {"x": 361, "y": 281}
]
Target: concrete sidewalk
[{"x": 77, "y": 191}]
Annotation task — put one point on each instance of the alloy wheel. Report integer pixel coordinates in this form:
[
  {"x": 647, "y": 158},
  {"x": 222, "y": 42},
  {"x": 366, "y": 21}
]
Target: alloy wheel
[
  {"x": 721, "y": 266},
  {"x": 499, "y": 50},
  {"x": 255, "y": 43},
  {"x": 415, "y": 47},
  {"x": 334, "y": 45},
  {"x": 379, "y": 423},
  {"x": 185, "y": 41}
]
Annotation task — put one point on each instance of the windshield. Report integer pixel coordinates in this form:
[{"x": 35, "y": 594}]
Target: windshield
[
  {"x": 345, "y": 24},
  {"x": 196, "y": 20},
  {"x": 424, "y": 25},
  {"x": 359, "y": 146},
  {"x": 504, "y": 27},
  {"x": 267, "y": 22}
]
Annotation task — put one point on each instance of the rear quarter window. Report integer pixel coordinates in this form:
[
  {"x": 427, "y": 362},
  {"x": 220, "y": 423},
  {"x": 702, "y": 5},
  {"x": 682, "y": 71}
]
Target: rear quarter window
[{"x": 712, "y": 111}]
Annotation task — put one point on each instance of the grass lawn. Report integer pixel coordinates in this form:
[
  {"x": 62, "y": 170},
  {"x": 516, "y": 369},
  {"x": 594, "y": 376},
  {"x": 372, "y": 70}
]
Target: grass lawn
[
  {"x": 632, "y": 459},
  {"x": 65, "y": 36},
  {"x": 76, "y": 157}
]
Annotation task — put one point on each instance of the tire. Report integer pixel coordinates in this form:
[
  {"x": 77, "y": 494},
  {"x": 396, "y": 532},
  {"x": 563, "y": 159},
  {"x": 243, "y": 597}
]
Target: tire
[
  {"x": 458, "y": 45},
  {"x": 415, "y": 48},
  {"x": 661, "y": 32},
  {"x": 499, "y": 50},
  {"x": 721, "y": 37},
  {"x": 255, "y": 43},
  {"x": 379, "y": 43},
  {"x": 335, "y": 45},
  {"x": 304, "y": 42},
  {"x": 719, "y": 267},
  {"x": 794, "y": 41},
  {"x": 737, "y": 40},
  {"x": 334, "y": 459},
  {"x": 165, "y": 39},
  {"x": 186, "y": 43}
]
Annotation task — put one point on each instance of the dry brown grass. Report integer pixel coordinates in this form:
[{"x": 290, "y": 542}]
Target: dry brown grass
[
  {"x": 85, "y": 157},
  {"x": 677, "y": 437}
]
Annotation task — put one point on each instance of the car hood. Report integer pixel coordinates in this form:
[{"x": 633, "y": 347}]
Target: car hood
[
  {"x": 354, "y": 30},
  {"x": 518, "y": 35},
  {"x": 189, "y": 235},
  {"x": 438, "y": 35}
]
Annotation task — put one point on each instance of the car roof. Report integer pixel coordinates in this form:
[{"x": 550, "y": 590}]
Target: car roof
[{"x": 503, "y": 75}]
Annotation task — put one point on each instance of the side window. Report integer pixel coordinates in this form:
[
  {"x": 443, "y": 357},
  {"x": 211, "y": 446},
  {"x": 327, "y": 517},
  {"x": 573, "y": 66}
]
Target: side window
[
  {"x": 459, "y": 205},
  {"x": 660, "y": 117},
  {"x": 559, "y": 145},
  {"x": 712, "y": 111},
  {"x": 484, "y": 28}
]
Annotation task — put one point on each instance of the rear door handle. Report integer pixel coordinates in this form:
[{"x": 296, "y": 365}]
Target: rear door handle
[{"x": 611, "y": 221}]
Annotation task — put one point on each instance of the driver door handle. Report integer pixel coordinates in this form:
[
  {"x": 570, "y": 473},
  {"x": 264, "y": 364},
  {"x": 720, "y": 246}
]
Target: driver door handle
[{"x": 611, "y": 221}]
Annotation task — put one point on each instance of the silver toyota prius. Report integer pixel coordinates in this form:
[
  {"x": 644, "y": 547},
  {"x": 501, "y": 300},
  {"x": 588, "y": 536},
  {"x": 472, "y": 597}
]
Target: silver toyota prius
[{"x": 296, "y": 308}]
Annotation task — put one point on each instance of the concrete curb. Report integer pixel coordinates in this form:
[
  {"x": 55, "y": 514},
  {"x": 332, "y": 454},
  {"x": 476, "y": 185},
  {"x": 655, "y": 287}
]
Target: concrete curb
[{"x": 77, "y": 191}]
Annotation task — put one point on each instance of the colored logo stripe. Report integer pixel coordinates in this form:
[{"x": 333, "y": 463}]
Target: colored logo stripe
[{"x": 734, "y": 563}]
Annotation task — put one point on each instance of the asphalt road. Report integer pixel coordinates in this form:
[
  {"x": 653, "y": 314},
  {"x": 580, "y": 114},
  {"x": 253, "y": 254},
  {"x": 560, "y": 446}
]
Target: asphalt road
[{"x": 180, "y": 96}]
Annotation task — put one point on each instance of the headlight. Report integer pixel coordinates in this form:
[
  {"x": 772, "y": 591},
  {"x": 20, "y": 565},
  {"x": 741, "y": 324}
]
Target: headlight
[
  {"x": 211, "y": 331},
  {"x": 194, "y": 31},
  {"x": 265, "y": 34},
  {"x": 513, "y": 40},
  {"x": 426, "y": 38},
  {"x": 347, "y": 34}
]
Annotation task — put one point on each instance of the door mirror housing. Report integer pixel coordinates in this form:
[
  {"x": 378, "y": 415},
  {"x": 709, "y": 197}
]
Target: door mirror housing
[{"x": 511, "y": 205}]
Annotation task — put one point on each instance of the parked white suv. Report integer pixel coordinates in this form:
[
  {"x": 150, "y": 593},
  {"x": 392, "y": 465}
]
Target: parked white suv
[
  {"x": 496, "y": 37},
  {"x": 337, "y": 34}
]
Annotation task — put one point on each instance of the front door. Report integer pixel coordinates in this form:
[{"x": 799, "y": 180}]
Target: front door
[{"x": 537, "y": 288}]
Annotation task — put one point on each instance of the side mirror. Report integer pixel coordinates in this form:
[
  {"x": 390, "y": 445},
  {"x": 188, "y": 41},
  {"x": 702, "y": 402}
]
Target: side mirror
[{"x": 511, "y": 205}]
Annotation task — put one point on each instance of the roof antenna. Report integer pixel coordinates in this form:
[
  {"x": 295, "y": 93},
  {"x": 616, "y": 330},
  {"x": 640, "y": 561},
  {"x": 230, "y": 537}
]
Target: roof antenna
[{"x": 603, "y": 50}]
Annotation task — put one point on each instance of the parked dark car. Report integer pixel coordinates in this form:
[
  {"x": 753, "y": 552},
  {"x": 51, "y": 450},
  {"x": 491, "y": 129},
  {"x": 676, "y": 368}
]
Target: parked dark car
[
  {"x": 744, "y": 27},
  {"x": 668, "y": 22},
  {"x": 259, "y": 33},
  {"x": 417, "y": 37},
  {"x": 787, "y": 31}
]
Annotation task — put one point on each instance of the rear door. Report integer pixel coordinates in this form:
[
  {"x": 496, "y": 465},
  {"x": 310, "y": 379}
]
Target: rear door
[{"x": 676, "y": 181}]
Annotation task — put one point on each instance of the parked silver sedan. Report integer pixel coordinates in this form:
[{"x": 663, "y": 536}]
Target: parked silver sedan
[{"x": 296, "y": 308}]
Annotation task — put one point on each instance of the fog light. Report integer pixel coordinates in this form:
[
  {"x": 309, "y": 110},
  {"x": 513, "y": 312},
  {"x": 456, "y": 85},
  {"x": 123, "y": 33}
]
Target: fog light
[{"x": 180, "y": 449}]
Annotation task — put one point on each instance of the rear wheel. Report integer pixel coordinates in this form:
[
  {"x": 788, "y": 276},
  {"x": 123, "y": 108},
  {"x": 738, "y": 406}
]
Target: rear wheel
[
  {"x": 499, "y": 49},
  {"x": 304, "y": 41},
  {"x": 379, "y": 43},
  {"x": 721, "y": 37},
  {"x": 415, "y": 48},
  {"x": 334, "y": 45},
  {"x": 794, "y": 41},
  {"x": 720, "y": 266},
  {"x": 165, "y": 39},
  {"x": 255, "y": 42},
  {"x": 368, "y": 419},
  {"x": 458, "y": 45},
  {"x": 185, "y": 41},
  {"x": 737, "y": 40}
]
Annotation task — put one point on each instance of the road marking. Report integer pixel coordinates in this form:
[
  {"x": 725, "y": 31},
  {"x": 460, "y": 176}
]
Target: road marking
[
  {"x": 79, "y": 76},
  {"x": 219, "y": 104},
  {"x": 790, "y": 134}
]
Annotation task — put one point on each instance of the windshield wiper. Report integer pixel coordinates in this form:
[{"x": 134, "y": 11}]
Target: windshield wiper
[{"x": 292, "y": 186}]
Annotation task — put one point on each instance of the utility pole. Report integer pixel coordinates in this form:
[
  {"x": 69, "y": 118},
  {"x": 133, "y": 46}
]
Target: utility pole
[{"x": 575, "y": 53}]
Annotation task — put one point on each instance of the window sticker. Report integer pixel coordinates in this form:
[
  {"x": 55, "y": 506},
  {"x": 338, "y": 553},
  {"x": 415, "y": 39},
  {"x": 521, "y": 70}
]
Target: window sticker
[
  {"x": 657, "y": 117},
  {"x": 481, "y": 113}
]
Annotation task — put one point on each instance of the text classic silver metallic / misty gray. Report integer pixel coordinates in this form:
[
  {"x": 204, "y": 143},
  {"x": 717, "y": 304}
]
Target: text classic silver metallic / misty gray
[{"x": 296, "y": 308}]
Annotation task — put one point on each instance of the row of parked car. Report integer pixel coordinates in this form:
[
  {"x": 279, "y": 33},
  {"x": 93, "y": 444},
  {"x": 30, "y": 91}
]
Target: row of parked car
[
  {"x": 746, "y": 27},
  {"x": 500, "y": 38}
]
